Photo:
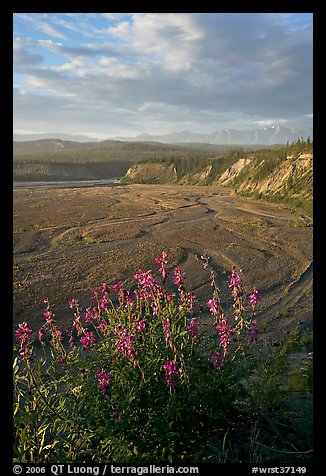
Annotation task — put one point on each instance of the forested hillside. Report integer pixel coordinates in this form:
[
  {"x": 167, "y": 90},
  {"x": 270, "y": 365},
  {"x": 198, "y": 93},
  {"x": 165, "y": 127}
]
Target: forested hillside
[
  {"x": 55, "y": 159},
  {"x": 283, "y": 173}
]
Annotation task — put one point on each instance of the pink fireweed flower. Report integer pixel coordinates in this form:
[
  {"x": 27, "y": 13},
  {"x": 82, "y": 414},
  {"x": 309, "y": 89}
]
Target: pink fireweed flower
[
  {"x": 125, "y": 297},
  {"x": 78, "y": 325},
  {"x": 73, "y": 303},
  {"x": 104, "y": 302},
  {"x": 125, "y": 342},
  {"x": 193, "y": 328},
  {"x": 71, "y": 340},
  {"x": 62, "y": 359},
  {"x": 254, "y": 297},
  {"x": 88, "y": 314},
  {"x": 103, "y": 326},
  {"x": 104, "y": 288},
  {"x": 140, "y": 326},
  {"x": 172, "y": 373},
  {"x": 213, "y": 305},
  {"x": 103, "y": 378},
  {"x": 49, "y": 316},
  {"x": 137, "y": 275},
  {"x": 252, "y": 332},
  {"x": 217, "y": 359},
  {"x": 225, "y": 332},
  {"x": 145, "y": 278},
  {"x": 162, "y": 262},
  {"x": 162, "y": 259},
  {"x": 41, "y": 334},
  {"x": 95, "y": 297},
  {"x": 116, "y": 416},
  {"x": 117, "y": 286},
  {"x": 23, "y": 334},
  {"x": 88, "y": 340},
  {"x": 166, "y": 330},
  {"x": 235, "y": 283},
  {"x": 188, "y": 298},
  {"x": 179, "y": 277},
  {"x": 234, "y": 278}
]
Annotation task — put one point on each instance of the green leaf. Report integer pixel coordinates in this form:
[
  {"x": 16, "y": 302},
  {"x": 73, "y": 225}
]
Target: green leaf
[{"x": 16, "y": 408}]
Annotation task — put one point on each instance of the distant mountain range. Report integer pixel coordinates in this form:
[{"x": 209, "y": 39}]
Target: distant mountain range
[
  {"x": 265, "y": 136},
  {"x": 54, "y": 135}
]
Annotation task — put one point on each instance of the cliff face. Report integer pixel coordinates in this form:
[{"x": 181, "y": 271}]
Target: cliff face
[
  {"x": 151, "y": 173},
  {"x": 232, "y": 172},
  {"x": 291, "y": 176}
]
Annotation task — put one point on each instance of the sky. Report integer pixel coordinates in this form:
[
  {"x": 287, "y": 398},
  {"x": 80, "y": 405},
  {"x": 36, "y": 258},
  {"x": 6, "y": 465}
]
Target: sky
[{"x": 122, "y": 74}]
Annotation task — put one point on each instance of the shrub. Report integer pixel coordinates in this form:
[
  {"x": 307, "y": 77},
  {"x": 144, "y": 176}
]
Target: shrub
[{"x": 138, "y": 377}]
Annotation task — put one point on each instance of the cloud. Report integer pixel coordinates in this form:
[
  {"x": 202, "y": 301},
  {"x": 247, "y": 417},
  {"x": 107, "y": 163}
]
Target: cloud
[
  {"x": 22, "y": 57},
  {"x": 168, "y": 70},
  {"x": 51, "y": 31}
]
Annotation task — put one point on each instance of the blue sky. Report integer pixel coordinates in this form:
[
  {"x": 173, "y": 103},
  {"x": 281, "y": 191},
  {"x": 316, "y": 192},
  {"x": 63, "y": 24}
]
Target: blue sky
[{"x": 109, "y": 74}]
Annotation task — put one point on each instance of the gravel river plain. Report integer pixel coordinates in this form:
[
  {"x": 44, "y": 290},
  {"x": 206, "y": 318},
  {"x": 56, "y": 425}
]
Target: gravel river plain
[{"x": 69, "y": 238}]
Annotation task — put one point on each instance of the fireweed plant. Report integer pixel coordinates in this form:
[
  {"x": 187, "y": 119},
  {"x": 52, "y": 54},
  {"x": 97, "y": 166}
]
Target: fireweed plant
[{"x": 139, "y": 377}]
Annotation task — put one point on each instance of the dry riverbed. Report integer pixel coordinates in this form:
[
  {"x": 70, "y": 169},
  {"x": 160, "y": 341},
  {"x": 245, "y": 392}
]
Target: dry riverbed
[{"x": 70, "y": 240}]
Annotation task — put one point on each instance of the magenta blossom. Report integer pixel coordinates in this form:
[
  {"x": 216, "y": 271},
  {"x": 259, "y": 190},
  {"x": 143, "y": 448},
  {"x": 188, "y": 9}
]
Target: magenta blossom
[
  {"x": 166, "y": 330},
  {"x": 162, "y": 261},
  {"x": 116, "y": 416},
  {"x": 140, "y": 326},
  {"x": 213, "y": 305},
  {"x": 73, "y": 303},
  {"x": 104, "y": 288},
  {"x": 88, "y": 314},
  {"x": 171, "y": 374},
  {"x": 71, "y": 340},
  {"x": 41, "y": 334},
  {"x": 193, "y": 328},
  {"x": 145, "y": 278},
  {"x": 235, "y": 283},
  {"x": 252, "y": 332},
  {"x": 23, "y": 334},
  {"x": 117, "y": 286},
  {"x": 254, "y": 297},
  {"x": 125, "y": 342},
  {"x": 217, "y": 359},
  {"x": 49, "y": 316},
  {"x": 88, "y": 340},
  {"x": 225, "y": 332},
  {"x": 179, "y": 277},
  {"x": 104, "y": 378},
  {"x": 125, "y": 297},
  {"x": 62, "y": 359}
]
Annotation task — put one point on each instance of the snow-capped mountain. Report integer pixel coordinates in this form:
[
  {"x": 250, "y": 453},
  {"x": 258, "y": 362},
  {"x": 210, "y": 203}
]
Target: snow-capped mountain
[{"x": 265, "y": 136}]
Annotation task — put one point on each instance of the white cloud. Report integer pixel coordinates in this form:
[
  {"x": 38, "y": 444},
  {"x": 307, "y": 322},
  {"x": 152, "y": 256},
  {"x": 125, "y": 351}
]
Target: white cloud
[
  {"x": 166, "y": 70},
  {"x": 23, "y": 58},
  {"x": 51, "y": 31},
  {"x": 121, "y": 30}
]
